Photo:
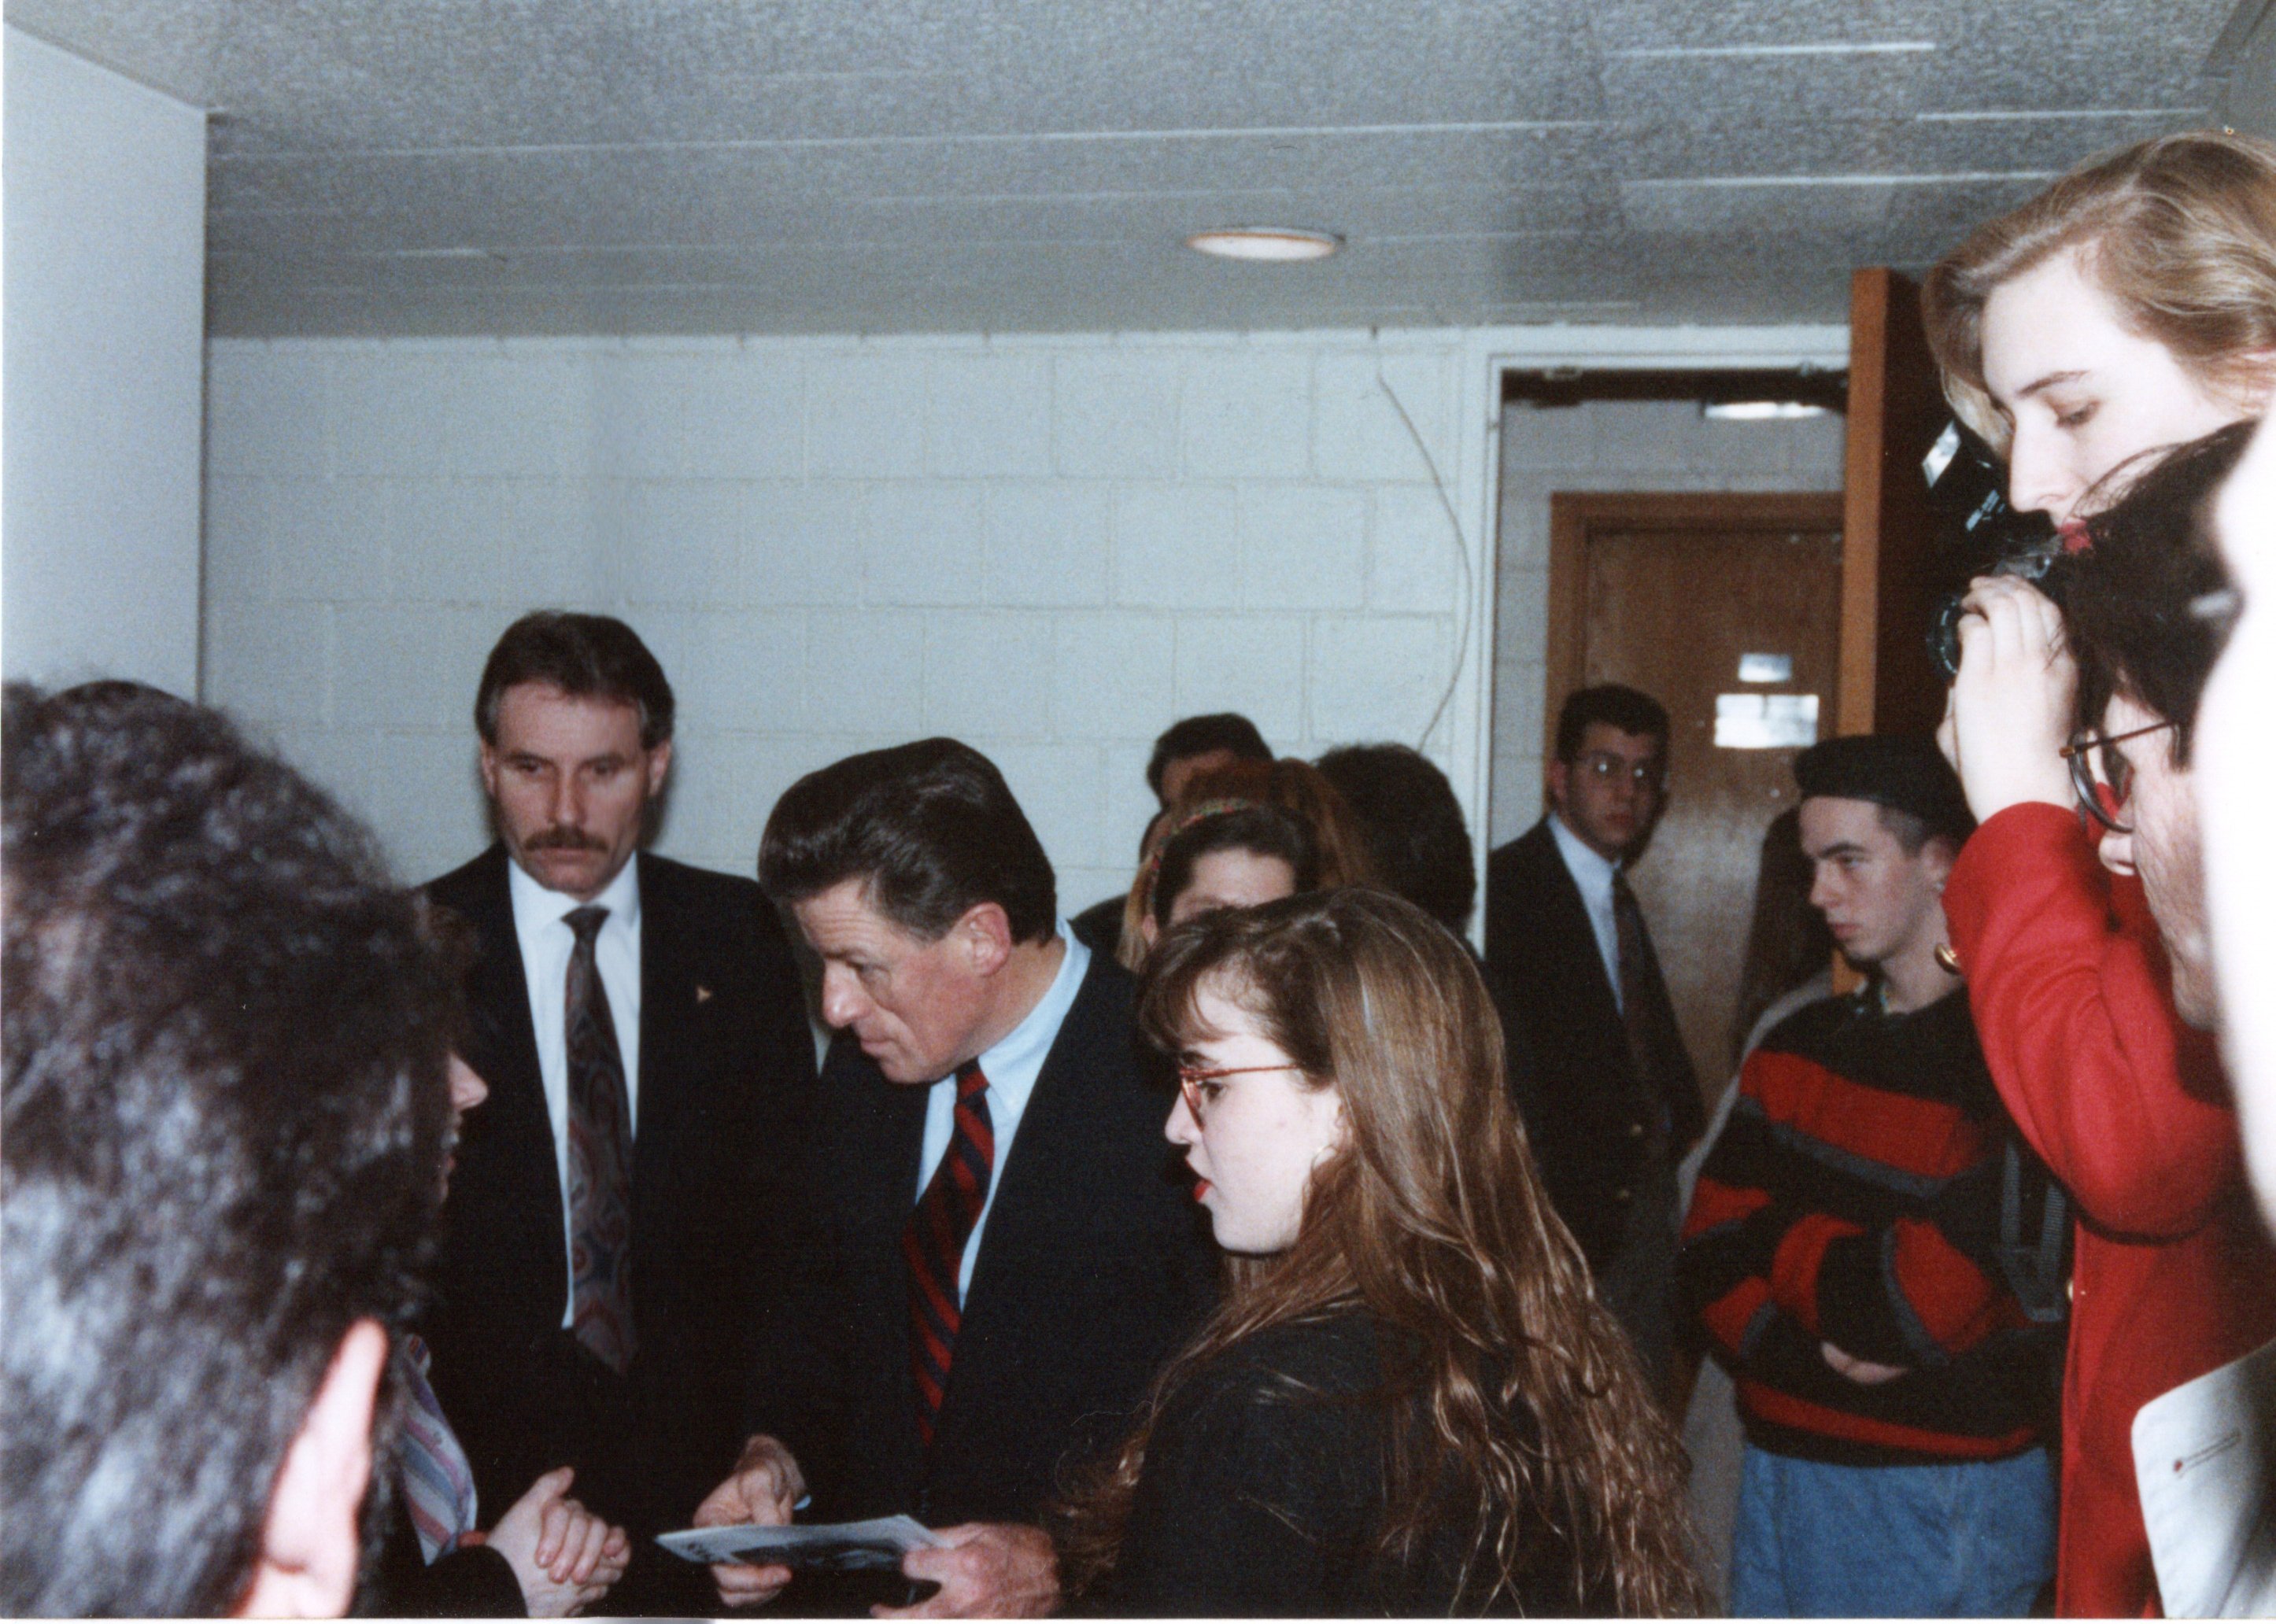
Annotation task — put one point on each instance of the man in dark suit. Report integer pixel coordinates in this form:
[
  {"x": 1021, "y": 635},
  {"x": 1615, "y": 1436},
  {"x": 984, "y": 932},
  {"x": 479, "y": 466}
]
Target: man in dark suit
[
  {"x": 640, "y": 1026},
  {"x": 1617, "y": 1101},
  {"x": 997, "y": 1251}
]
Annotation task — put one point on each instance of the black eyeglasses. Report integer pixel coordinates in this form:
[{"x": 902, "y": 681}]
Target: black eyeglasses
[{"x": 2104, "y": 798}]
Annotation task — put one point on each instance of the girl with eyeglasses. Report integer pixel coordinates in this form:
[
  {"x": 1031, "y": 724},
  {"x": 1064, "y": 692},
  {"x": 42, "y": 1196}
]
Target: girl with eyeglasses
[
  {"x": 2129, "y": 308},
  {"x": 1410, "y": 1402}
]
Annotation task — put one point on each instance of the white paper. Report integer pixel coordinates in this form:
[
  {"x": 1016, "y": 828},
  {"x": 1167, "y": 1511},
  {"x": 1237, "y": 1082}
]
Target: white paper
[
  {"x": 2202, "y": 1457},
  {"x": 834, "y": 1546}
]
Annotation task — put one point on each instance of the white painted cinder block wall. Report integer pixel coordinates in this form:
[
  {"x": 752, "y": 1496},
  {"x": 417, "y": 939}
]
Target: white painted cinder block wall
[{"x": 1049, "y": 547}]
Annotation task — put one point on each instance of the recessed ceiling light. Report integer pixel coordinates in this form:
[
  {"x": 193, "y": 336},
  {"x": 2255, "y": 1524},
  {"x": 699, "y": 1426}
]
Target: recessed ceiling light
[
  {"x": 438, "y": 253},
  {"x": 1760, "y": 411},
  {"x": 1265, "y": 242}
]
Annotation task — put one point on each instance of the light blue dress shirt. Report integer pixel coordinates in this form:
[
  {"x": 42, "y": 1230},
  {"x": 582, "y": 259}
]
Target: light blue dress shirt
[
  {"x": 1011, "y": 1067},
  {"x": 1593, "y": 873}
]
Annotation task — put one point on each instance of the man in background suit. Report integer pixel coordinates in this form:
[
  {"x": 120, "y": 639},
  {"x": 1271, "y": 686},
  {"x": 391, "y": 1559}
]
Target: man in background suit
[
  {"x": 643, "y": 1033},
  {"x": 997, "y": 1252},
  {"x": 1617, "y": 1101}
]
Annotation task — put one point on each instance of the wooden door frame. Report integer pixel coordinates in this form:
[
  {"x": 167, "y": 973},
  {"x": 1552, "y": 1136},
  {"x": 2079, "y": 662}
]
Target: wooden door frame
[
  {"x": 1573, "y": 514},
  {"x": 1888, "y": 540}
]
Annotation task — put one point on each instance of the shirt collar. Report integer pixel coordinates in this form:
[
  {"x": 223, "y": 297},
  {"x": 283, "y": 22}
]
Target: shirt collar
[
  {"x": 1588, "y": 866},
  {"x": 1014, "y": 1059},
  {"x": 535, "y": 907}
]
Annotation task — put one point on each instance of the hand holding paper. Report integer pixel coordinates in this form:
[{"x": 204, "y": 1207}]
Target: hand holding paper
[{"x": 763, "y": 1491}]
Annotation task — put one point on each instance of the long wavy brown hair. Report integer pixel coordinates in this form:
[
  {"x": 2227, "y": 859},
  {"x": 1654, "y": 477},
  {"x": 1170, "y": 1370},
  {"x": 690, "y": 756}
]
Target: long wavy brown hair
[{"x": 1527, "y": 1407}]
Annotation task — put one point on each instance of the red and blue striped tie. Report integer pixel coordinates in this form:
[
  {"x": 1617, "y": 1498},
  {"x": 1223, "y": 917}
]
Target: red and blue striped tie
[{"x": 933, "y": 1243}]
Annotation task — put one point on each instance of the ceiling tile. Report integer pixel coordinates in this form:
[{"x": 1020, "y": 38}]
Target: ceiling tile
[{"x": 547, "y": 166}]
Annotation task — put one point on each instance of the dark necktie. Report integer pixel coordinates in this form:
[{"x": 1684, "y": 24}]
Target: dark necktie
[
  {"x": 933, "y": 1243},
  {"x": 1649, "y": 1024},
  {"x": 600, "y": 1160}
]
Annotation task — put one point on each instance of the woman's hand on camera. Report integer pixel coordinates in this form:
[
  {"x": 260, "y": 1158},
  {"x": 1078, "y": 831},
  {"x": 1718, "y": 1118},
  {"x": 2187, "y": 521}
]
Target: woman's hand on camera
[{"x": 2012, "y": 703}]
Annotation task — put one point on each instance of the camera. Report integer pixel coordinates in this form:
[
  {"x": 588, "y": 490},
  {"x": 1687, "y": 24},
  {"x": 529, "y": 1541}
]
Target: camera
[{"x": 1983, "y": 535}]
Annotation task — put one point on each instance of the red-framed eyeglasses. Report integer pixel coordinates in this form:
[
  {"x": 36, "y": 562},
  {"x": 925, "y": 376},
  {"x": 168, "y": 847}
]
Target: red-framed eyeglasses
[
  {"x": 1193, "y": 1079},
  {"x": 2105, "y": 793}
]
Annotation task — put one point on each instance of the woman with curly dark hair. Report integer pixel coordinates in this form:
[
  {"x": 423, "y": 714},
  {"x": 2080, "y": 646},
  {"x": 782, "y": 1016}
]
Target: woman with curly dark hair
[{"x": 1410, "y": 1402}]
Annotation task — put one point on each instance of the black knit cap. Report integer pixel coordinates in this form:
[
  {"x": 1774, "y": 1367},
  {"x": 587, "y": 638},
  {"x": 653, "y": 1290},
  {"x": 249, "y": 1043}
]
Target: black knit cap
[{"x": 1901, "y": 771}]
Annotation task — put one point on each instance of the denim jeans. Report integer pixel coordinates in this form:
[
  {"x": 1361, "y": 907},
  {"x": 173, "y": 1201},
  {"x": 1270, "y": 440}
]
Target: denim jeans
[{"x": 1971, "y": 1539}]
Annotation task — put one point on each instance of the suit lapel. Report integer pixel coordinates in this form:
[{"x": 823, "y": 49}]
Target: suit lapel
[
  {"x": 887, "y": 1148},
  {"x": 515, "y": 1124},
  {"x": 1569, "y": 918},
  {"x": 668, "y": 999},
  {"x": 1045, "y": 1151}
]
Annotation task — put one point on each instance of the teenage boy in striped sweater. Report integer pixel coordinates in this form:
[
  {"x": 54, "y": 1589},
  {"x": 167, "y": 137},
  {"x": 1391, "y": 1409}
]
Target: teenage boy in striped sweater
[{"x": 1873, "y": 1253}]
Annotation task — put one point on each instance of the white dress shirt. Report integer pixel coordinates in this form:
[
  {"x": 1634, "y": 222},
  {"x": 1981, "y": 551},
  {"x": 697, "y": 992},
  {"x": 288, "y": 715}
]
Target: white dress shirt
[
  {"x": 1593, "y": 873},
  {"x": 1011, "y": 1067},
  {"x": 540, "y": 925}
]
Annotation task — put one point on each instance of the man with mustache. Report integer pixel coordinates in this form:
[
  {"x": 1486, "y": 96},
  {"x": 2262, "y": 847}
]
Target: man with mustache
[{"x": 643, "y": 1030}]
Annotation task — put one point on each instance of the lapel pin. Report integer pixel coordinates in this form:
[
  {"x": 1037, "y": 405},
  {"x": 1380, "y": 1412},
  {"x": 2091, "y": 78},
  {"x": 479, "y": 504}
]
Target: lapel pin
[{"x": 702, "y": 993}]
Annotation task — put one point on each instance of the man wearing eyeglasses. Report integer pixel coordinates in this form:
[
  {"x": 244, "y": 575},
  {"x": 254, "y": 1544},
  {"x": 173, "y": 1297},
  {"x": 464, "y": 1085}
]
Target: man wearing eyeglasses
[
  {"x": 2091, "y": 984},
  {"x": 1617, "y": 1101}
]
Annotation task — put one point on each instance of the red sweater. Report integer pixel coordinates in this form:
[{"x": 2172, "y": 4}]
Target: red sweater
[
  {"x": 1852, "y": 1198},
  {"x": 2172, "y": 1274}
]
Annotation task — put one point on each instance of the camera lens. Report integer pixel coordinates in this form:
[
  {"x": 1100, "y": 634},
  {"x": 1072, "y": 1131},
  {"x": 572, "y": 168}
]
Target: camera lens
[{"x": 1944, "y": 636}]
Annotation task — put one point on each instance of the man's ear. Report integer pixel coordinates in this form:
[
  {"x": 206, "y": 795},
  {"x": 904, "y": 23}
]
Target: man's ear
[
  {"x": 490, "y": 770},
  {"x": 307, "y": 1568},
  {"x": 1937, "y": 856},
  {"x": 659, "y": 763},
  {"x": 985, "y": 933},
  {"x": 1560, "y": 781}
]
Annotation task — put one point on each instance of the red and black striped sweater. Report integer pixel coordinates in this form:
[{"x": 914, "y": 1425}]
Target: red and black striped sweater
[{"x": 1869, "y": 1192}]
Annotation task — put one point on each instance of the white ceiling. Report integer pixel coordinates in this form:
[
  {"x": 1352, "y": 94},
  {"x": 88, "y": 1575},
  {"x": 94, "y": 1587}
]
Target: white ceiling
[{"x": 549, "y": 166}]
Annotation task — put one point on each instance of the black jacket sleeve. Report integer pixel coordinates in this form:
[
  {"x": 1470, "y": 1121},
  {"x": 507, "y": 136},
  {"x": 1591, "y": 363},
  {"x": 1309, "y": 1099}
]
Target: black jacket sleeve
[{"x": 473, "y": 1581}]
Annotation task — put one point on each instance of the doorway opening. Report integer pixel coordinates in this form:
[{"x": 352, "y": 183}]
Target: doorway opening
[{"x": 1647, "y": 537}]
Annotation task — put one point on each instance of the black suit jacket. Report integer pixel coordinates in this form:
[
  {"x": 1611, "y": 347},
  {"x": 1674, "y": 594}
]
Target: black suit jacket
[
  {"x": 726, "y": 1073},
  {"x": 1589, "y": 1120},
  {"x": 1095, "y": 1266}
]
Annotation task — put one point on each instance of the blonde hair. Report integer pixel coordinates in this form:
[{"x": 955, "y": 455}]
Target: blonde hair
[
  {"x": 2180, "y": 232},
  {"x": 1532, "y": 1419}
]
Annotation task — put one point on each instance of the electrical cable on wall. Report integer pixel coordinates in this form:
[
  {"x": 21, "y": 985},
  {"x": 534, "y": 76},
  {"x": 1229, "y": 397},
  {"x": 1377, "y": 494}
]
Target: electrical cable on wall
[{"x": 1461, "y": 555}]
